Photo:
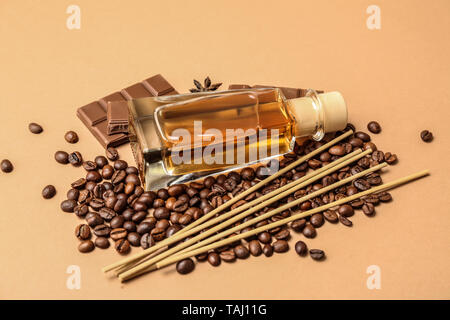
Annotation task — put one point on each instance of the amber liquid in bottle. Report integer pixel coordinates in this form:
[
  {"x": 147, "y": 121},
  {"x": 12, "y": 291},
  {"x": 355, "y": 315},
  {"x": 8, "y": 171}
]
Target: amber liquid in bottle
[{"x": 249, "y": 111}]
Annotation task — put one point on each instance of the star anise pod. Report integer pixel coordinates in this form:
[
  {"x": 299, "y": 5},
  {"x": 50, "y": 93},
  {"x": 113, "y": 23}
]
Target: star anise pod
[{"x": 207, "y": 86}]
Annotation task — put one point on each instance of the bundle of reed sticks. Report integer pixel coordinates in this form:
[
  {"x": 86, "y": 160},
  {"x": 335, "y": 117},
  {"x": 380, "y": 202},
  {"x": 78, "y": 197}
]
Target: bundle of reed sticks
[{"x": 216, "y": 229}]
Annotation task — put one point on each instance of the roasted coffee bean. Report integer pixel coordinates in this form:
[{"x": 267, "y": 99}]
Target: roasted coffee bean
[
  {"x": 93, "y": 176},
  {"x": 201, "y": 257},
  {"x": 301, "y": 248},
  {"x": 426, "y": 136},
  {"x": 384, "y": 196},
  {"x": 107, "y": 213},
  {"x": 163, "y": 194},
  {"x": 378, "y": 156},
  {"x": 100, "y": 161},
  {"x": 83, "y": 232},
  {"x": 75, "y": 158},
  {"x": 363, "y": 136},
  {"x": 118, "y": 233},
  {"x": 309, "y": 231},
  {"x": 158, "y": 234},
  {"x": 130, "y": 226},
  {"x": 356, "y": 142},
  {"x": 129, "y": 188},
  {"x": 373, "y": 199},
  {"x": 48, "y": 192},
  {"x": 317, "y": 254},
  {"x": 209, "y": 181},
  {"x": 68, "y": 205},
  {"x": 314, "y": 163},
  {"x": 158, "y": 203},
  {"x": 122, "y": 246},
  {"x": 268, "y": 250},
  {"x": 390, "y": 158},
  {"x": 118, "y": 177},
  {"x": 283, "y": 235},
  {"x": 84, "y": 196},
  {"x": 99, "y": 190},
  {"x": 220, "y": 179},
  {"x": 139, "y": 216},
  {"x": 248, "y": 174},
  {"x": 175, "y": 190},
  {"x": 81, "y": 210},
  {"x": 134, "y": 239},
  {"x": 357, "y": 203},
  {"x": 117, "y": 222},
  {"x": 89, "y": 165},
  {"x": 255, "y": 248},
  {"x": 93, "y": 219},
  {"x": 175, "y": 217},
  {"x": 101, "y": 242},
  {"x": 368, "y": 209},
  {"x": 147, "y": 241},
  {"x": 180, "y": 206},
  {"x": 214, "y": 259},
  {"x": 79, "y": 184},
  {"x": 337, "y": 150},
  {"x": 73, "y": 194},
  {"x": 112, "y": 154},
  {"x": 133, "y": 178},
  {"x": 361, "y": 184},
  {"x": 144, "y": 227},
  {"x": 241, "y": 252},
  {"x": 374, "y": 127},
  {"x": 228, "y": 256},
  {"x": 185, "y": 219},
  {"x": 97, "y": 204},
  {"x": 171, "y": 230},
  {"x": 331, "y": 216},
  {"x": 120, "y": 165},
  {"x": 345, "y": 221},
  {"x": 102, "y": 230},
  {"x": 280, "y": 246},
  {"x": 6, "y": 166},
  {"x": 90, "y": 185},
  {"x": 35, "y": 128},
  {"x": 132, "y": 170},
  {"x": 86, "y": 246},
  {"x": 298, "y": 225},
  {"x": 265, "y": 237},
  {"x": 346, "y": 210},
  {"x": 230, "y": 184},
  {"x": 120, "y": 205},
  {"x": 161, "y": 213},
  {"x": 185, "y": 266},
  {"x": 71, "y": 137},
  {"x": 62, "y": 157},
  {"x": 317, "y": 220}
]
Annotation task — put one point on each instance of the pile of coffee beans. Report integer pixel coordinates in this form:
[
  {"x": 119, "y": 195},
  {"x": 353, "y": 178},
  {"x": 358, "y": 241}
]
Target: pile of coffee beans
[{"x": 114, "y": 205}]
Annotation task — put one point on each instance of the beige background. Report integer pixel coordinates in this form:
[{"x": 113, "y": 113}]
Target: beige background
[{"x": 398, "y": 75}]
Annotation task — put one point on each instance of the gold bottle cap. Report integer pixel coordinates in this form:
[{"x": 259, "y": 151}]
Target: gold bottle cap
[{"x": 317, "y": 114}]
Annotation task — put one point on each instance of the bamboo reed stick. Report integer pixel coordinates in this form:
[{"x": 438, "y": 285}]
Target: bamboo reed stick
[
  {"x": 238, "y": 217},
  {"x": 270, "y": 197},
  {"x": 227, "y": 204},
  {"x": 221, "y": 243}
]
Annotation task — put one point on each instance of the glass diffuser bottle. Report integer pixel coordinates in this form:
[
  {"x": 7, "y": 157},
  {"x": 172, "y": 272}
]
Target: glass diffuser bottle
[{"x": 182, "y": 137}]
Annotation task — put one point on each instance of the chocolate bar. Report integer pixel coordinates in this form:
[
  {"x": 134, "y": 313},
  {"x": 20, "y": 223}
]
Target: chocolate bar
[
  {"x": 289, "y": 93},
  {"x": 95, "y": 118},
  {"x": 117, "y": 117}
]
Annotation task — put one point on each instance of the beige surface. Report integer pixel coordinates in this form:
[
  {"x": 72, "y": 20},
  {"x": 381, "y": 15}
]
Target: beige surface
[{"x": 398, "y": 75}]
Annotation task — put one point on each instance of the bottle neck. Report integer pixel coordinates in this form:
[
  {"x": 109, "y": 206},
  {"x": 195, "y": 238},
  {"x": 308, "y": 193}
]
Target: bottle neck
[{"x": 317, "y": 114}]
